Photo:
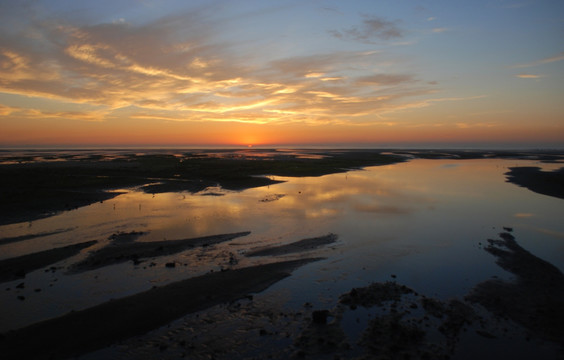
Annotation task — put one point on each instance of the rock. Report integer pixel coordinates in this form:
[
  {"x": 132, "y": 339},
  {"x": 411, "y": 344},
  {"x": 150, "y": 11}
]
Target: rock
[
  {"x": 319, "y": 317},
  {"x": 170, "y": 265}
]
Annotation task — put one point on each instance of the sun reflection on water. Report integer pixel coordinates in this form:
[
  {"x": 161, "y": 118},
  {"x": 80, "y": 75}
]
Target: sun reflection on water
[{"x": 405, "y": 218}]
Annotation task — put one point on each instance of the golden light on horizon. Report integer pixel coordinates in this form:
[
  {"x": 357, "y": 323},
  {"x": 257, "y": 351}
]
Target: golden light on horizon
[{"x": 155, "y": 79}]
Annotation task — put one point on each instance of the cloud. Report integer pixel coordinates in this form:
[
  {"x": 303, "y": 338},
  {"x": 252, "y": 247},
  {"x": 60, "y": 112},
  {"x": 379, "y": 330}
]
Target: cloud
[
  {"x": 555, "y": 58},
  {"x": 372, "y": 28},
  {"x": 528, "y": 76},
  {"x": 6, "y": 110},
  {"x": 175, "y": 69},
  {"x": 440, "y": 30},
  {"x": 466, "y": 125},
  {"x": 384, "y": 79},
  {"x": 39, "y": 114}
]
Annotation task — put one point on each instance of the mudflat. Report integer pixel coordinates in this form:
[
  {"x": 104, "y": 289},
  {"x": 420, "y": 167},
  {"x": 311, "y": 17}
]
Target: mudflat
[
  {"x": 295, "y": 247},
  {"x": 549, "y": 183},
  {"x": 16, "y": 268},
  {"x": 123, "y": 251},
  {"x": 115, "y": 320},
  {"x": 32, "y": 190},
  {"x": 401, "y": 322}
]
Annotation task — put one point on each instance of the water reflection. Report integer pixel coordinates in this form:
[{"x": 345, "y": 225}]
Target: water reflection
[{"x": 421, "y": 220}]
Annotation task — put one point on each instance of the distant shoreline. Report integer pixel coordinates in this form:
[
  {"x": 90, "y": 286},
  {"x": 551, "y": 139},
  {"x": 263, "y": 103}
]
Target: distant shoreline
[{"x": 35, "y": 185}]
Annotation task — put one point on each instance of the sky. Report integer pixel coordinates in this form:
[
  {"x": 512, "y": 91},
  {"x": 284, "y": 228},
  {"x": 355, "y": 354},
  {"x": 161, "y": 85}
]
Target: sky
[{"x": 443, "y": 73}]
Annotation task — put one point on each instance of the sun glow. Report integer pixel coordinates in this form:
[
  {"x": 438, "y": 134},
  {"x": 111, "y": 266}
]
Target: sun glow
[{"x": 193, "y": 81}]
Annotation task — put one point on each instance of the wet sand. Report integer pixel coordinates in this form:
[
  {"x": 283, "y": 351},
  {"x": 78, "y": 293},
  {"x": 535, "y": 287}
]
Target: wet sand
[
  {"x": 87, "y": 330},
  {"x": 405, "y": 323},
  {"x": 410, "y": 325},
  {"x": 535, "y": 299},
  {"x": 399, "y": 322},
  {"x": 295, "y": 247},
  {"x": 33, "y": 190},
  {"x": 124, "y": 249},
  {"x": 9, "y": 240},
  {"x": 549, "y": 183},
  {"x": 80, "y": 332},
  {"x": 18, "y": 267}
]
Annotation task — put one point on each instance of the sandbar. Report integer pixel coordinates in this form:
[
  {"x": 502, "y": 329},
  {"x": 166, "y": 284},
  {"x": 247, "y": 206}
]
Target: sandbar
[
  {"x": 124, "y": 250},
  {"x": 295, "y": 247},
  {"x": 16, "y": 268},
  {"x": 549, "y": 183},
  {"x": 87, "y": 330}
]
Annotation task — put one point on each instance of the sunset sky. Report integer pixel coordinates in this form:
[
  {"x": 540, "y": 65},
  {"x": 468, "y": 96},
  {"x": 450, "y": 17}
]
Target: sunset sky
[{"x": 372, "y": 73}]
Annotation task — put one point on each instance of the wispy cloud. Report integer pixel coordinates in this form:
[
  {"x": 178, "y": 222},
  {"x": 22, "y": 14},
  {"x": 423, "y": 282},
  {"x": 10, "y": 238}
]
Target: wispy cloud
[
  {"x": 38, "y": 114},
  {"x": 555, "y": 58},
  {"x": 175, "y": 69},
  {"x": 6, "y": 110},
  {"x": 529, "y": 76},
  {"x": 384, "y": 79},
  {"x": 440, "y": 30},
  {"x": 372, "y": 28},
  {"x": 468, "y": 125}
]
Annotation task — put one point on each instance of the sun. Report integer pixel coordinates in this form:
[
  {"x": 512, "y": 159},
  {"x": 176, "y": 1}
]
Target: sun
[{"x": 250, "y": 145}]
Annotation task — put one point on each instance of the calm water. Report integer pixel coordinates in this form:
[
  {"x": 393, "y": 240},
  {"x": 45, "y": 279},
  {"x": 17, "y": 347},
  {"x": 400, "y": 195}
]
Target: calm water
[{"x": 423, "y": 221}]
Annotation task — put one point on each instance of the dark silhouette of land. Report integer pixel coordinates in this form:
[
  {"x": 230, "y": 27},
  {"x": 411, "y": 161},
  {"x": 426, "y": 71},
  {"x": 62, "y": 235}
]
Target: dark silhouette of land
[
  {"x": 18, "y": 267},
  {"x": 549, "y": 183},
  {"x": 32, "y": 189}
]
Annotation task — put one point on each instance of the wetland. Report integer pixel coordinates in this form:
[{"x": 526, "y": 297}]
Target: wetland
[{"x": 360, "y": 254}]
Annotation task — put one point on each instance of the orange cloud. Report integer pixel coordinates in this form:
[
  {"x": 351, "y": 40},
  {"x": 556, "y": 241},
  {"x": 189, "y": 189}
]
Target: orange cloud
[
  {"x": 175, "y": 79},
  {"x": 548, "y": 60},
  {"x": 528, "y": 76}
]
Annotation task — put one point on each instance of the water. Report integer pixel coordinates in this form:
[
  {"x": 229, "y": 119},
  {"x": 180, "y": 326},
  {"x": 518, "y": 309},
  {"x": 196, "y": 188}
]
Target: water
[{"x": 424, "y": 221}]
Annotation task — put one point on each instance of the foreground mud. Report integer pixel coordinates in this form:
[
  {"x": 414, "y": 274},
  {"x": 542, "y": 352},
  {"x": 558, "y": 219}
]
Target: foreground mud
[
  {"x": 18, "y": 267},
  {"x": 124, "y": 249},
  {"x": 87, "y": 330},
  {"x": 393, "y": 322},
  {"x": 295, "y": 247},
  {"x": 535, "y": 299}
]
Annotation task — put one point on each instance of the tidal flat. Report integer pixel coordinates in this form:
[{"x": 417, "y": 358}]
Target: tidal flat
[{"x": 319, "y": 254}]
